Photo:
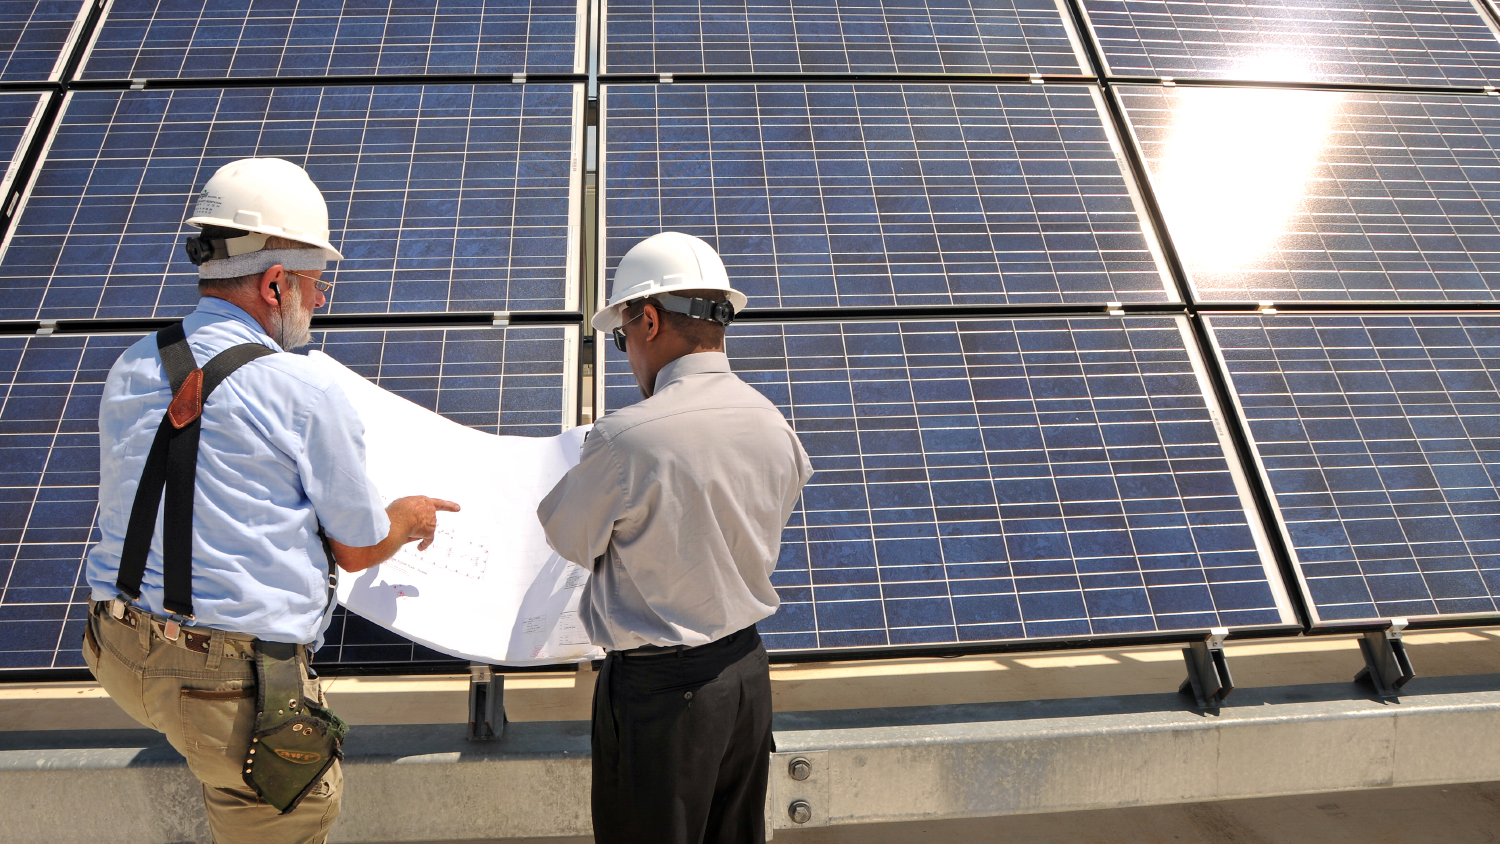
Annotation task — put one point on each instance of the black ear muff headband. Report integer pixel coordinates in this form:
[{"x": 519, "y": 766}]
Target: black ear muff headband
[
  {"x": 209, "y": 245},
  {"x": 707, "y": 309}
]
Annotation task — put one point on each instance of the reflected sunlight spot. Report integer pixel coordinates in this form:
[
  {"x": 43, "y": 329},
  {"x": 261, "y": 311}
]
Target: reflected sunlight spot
[{"x": 1236, "y": 167}]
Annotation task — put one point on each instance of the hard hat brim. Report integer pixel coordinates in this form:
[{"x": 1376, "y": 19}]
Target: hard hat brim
[
  {"x": 328, "y": 251},
  {"x": 609, "y": 318}
]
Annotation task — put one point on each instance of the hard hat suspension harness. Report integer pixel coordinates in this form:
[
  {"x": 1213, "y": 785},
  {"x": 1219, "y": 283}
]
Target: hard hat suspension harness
[
  {"x": 296, "y": 739},
  {"x": 704, "y": 309},
  {"x": 230, "y": 253},
  {"x": 707, "y": 309}
]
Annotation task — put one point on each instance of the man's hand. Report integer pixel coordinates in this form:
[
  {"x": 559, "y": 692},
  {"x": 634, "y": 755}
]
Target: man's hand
[
  {"x": 413, "y": 518},
  {"x": 419, "y": 515}
]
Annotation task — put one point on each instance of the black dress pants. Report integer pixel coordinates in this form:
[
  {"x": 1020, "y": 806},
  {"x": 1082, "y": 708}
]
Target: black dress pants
[{"x": 682, "y": 744}]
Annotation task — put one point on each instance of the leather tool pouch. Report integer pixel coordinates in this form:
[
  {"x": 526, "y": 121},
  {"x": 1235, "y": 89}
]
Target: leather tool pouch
[{"x": 296, "y": 740}]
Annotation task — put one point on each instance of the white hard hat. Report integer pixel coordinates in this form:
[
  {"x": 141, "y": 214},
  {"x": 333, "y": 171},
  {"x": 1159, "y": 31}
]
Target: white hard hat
[
  {"x": 664, "y": 263},
  {"x": 264, "y": 196}
]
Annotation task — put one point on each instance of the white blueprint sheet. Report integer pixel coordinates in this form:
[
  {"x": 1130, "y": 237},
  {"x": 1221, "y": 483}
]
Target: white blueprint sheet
[{"x": 488, "y": 589}]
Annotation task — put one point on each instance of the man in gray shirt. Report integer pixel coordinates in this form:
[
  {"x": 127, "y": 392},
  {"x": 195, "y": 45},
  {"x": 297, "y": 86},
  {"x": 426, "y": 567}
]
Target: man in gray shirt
[{"x": 677, "y": 506}]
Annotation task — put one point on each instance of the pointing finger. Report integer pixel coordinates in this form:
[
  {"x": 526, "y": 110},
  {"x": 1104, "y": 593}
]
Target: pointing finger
[{"x": 446, "y": 506}]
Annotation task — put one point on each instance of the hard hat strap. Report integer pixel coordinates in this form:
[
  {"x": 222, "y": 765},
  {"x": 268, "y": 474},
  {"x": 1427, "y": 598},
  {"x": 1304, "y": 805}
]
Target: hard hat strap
[{"x": 706, "y": 309}]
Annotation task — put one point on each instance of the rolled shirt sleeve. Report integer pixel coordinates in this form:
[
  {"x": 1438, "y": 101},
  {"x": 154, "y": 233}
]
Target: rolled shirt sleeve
[
  {"x": 332, "y": 467},
  {"x": 580, "y": 512}
]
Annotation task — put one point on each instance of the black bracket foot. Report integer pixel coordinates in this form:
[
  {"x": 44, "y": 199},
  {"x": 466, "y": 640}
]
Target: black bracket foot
[
  {"x": 486, "y": 703},
  {"x": 1387, "y": 667},
  {"x": 1208, "y": 679}
]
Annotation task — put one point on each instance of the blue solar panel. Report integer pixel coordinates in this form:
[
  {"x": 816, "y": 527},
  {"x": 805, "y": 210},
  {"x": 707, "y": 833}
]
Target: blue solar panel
[
  {"x": 1387, "y": 42},
  {"x": 1326, "y": 196},
  {"x": 840, "y": 36},
  {"x": 36, "y": 37},
  {"x": 880, "y": 195},
  {"x": 1380, "y": 439},
  {"x": 987, "y": 480},
  {"x": 170, "y": 39},
  {"x": 19, "y": 114},
  {"x": 509, "y": 381},
  {"x": 49, "y": 477},
  {"x": 444, "y": 198}
]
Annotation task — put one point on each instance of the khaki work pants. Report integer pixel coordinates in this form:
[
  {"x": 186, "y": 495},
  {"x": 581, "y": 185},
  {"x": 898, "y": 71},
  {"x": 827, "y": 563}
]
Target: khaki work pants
[{"x": 205, "y": 705}]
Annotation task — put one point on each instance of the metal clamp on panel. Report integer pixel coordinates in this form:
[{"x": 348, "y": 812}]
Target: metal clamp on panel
[
  {"x": 486, "y": 703},
  {"x": 1208, "y": 680},
  {"x": 1387, "y": 667}
]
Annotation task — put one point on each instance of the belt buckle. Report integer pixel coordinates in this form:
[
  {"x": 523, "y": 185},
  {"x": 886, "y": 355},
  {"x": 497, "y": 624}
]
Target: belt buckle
[{"x": 171, "y": 630}]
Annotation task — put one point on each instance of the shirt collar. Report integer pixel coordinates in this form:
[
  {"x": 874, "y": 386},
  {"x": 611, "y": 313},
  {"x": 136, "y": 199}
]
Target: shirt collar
[
  {"x": 213, "y": 306},
  {"x": 693, "y": 364}
]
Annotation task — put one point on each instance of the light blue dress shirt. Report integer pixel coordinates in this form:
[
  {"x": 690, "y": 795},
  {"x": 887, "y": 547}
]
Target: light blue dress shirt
[{"x": 281, "y": 450}]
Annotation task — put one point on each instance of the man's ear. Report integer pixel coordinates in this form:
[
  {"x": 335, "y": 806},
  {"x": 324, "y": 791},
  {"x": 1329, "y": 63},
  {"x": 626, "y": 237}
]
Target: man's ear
[
  {"x": 651, "y": 317},
  {"x": 271, "y": 282}
]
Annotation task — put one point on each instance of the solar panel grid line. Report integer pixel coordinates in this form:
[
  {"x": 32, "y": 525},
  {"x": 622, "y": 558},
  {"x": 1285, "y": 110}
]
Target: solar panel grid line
[
  {"x": 494, "y": 227},
  {"x": 868, "y": 480},
  {"x": 1375, "y": 433},
  {"x": 37, "y": 38},
  {"x": 844, "y": 36},
  {"x": 1352, "y": 198},
  {"x": 140, "y": 39},
  {"x": 822, "y": 194},
  {"x": 516, "y": 381},
  {"x": 1389, "y": 42}
]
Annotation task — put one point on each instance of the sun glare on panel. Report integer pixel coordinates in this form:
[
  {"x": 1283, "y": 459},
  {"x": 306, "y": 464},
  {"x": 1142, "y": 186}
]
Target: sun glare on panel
[{"x": 1237, "y": 165}]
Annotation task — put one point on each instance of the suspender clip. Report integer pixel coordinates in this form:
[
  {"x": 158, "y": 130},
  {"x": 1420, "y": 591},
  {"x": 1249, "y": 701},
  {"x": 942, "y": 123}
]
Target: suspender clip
[
  {"x": 117, "y": 609},
  {"x": 171, "y": 630}
]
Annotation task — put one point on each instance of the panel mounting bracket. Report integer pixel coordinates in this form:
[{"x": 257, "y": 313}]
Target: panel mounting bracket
[
  {"x": 45, "y": 327},
  {"x": 486, "y": 703},
  {"x": 1208, "y": 679},
  {"x": 666, "y": 79},
  {"x": 137, "y": 84},
  {"x": 500, "y": 319},
  {"x": 1387, "y": 667}
]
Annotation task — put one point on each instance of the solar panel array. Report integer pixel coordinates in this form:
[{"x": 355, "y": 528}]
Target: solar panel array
[
  {"x": 35, "y": 37},
  {"x": 444, "y": 198},
  {"x": 1001, "y": 479},
  {"x": 500, "y": 380},
  {"x": 839, "y": 36},
  {"x": 997, "y": 237},
  {"x": 1391, "y": 42},
  {"x": 873, "y": 195},
  {"x": 153, "y": 39},
  {"x": 1335, "y": 154}
]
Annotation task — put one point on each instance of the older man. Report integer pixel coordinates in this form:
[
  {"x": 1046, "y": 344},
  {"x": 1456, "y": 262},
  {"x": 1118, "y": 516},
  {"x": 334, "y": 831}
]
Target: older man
[{"x": 200, "y": 625}]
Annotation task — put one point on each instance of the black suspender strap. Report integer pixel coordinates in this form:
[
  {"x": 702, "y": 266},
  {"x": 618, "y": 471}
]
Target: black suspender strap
[{"x": 172, "y": 465}]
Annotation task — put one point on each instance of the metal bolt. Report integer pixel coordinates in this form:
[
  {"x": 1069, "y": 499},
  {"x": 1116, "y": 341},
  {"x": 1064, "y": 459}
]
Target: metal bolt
[
  {"x": 800, "y": 769},
  {"x": 252, "y": 751},
  {"x": 687, "y": 695},
  {"x": 800, "y": 811}
]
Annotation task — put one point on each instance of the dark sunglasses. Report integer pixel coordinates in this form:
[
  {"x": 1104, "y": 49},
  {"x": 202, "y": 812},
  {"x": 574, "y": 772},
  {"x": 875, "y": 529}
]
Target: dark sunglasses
[{"x": 619, "y": 331}]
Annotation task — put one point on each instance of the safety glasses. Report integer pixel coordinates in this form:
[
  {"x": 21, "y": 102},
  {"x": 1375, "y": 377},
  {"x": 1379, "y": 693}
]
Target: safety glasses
[
  {"x": 319, "y": 284},
  {"x": 619, "y": 331}
]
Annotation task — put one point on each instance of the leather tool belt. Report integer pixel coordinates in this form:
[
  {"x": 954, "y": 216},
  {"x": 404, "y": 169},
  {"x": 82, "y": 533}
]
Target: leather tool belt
[{"x": 296, "y": 740}]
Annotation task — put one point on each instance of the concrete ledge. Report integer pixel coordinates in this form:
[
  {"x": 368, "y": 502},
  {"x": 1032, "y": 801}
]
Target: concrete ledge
[{"x": 426, "y": 783}]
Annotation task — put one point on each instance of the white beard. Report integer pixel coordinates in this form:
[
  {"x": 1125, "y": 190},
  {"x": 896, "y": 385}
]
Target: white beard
[{"x": 293, "y": 322}]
